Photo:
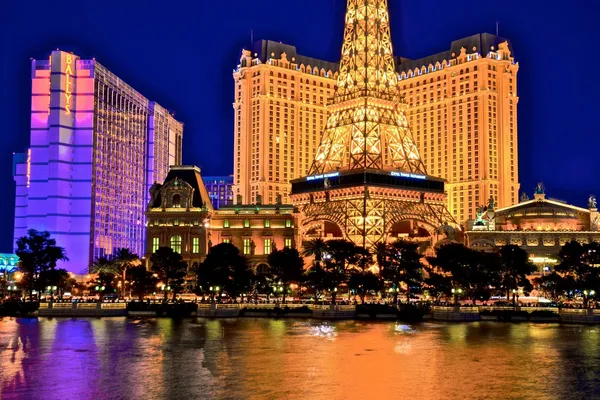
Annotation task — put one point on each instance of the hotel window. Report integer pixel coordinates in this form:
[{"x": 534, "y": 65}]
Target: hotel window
[
  {"x": 246, "y": 246},
  {"x": 155, "y": 244},
  {"x": 267, "y": 223},
  {"x": 246, "y": 223},
  {"x": 176, "y": 201},
  {"x": 226, "y": 240},
  {"x": 288, "y": 223},
  {"x": 176, "y": 243},
  {"x": 226, "y": 223},
  {"x": 267, "y": 246},
  {"x": 195, "y": 245},
  {"x": 288, "y": 243}
]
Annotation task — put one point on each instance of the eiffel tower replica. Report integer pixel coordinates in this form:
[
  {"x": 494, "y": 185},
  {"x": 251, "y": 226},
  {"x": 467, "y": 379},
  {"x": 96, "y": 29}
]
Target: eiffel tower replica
[{"x": 367, "y": 174}]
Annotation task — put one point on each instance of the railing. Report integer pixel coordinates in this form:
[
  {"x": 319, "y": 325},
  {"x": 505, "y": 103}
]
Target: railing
[
  {"x": 87, "y": 305},
  {"x": 322, "y": 307},
  {"x": 454, "y": 309},
  {"x": 294, "y": 305},
  {"x": 44, "y": 305},
  {"x": 258, "y": 306},
  {"x": 227, "y": 306},
  {"x": 204, "y": 306},
  {"x": 532, "y": 309},
  {"x": 62, "y": 305},
  {"x": 345, "y": 307},
  {"x": 573, "y": 311},
  {"x": 114, "y": 306}
]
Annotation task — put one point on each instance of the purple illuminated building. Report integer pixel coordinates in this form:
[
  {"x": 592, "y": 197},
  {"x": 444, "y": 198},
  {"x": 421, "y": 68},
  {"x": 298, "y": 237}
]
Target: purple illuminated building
[
  {"x": 220, "y": 190},
  {"x": 97, "y": 145}
]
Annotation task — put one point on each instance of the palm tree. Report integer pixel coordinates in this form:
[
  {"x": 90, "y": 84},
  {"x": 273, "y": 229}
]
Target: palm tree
[
  {"x": 103, "y": 265},
  {"x": 106, "y": 270},
  {"x": 124, "y": 259},
  {"x": 404, "y": 267},
  {"x": 382, "y": 251},
  {"x": 317, "y": 248}
]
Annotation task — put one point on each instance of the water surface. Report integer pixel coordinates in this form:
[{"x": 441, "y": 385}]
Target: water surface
[{"x": 118, "y": 358}]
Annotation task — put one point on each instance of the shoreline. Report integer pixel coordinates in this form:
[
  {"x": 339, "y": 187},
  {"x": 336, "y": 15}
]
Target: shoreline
[{"x": 367, "y": 312}]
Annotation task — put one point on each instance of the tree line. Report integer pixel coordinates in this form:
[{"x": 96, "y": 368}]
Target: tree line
[{"x": 396, "y": 270}]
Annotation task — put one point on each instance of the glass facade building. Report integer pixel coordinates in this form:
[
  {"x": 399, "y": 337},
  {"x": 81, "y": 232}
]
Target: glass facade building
[
  {"x": 97, "y": 145},
  {"x": 220, "y": 190}
]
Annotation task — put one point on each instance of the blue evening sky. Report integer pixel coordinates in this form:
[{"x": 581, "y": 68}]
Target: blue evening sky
[{"x": 182, "y": 53}]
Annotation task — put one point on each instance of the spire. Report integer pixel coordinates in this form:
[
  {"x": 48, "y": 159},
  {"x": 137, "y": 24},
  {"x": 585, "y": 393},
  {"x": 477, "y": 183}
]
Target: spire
[
  {"x": 367, "y": 66},
  {"x": 366, "y": 125}
]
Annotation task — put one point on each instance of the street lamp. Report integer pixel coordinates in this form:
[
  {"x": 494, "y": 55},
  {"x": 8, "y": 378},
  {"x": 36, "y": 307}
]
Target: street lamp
[
  {"x": 51, "y": 290},
  {"x": 456, "y": 292}
]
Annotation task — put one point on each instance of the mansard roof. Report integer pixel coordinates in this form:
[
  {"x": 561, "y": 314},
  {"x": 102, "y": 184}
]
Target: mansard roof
[
  {"x": 263, "y": 50},
  {"x": 482, "y": 42},
  {"x": 191, "y": 175}
]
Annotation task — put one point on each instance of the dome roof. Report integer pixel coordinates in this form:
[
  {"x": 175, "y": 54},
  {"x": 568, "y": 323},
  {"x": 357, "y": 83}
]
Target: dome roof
[{"x": 542, "y": 208}]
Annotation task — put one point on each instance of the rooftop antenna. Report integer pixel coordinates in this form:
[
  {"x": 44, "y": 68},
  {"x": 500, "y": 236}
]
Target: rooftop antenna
[{"x": 496, "y": 28}]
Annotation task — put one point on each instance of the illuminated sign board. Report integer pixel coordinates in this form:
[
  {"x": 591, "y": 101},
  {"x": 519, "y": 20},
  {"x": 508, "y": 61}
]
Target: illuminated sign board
[
  {"x": 323, "y": 176},
  {"x": 69, "y": 83},
  {"x": 28, "y": 167},
  {"x": 408, "y": 175}
]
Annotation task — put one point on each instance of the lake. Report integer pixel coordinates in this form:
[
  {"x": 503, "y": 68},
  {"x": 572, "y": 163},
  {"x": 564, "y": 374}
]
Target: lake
[{"x": 119, "y": 358}]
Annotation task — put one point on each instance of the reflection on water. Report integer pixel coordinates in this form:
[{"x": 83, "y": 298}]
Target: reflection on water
[
  {"x": 120, "y": 358},
  {"x": 324, "y": 330}
]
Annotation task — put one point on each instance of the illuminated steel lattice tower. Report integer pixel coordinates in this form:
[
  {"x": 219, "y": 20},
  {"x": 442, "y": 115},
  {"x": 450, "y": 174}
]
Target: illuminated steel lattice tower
[{"x": 367, "y": 174}]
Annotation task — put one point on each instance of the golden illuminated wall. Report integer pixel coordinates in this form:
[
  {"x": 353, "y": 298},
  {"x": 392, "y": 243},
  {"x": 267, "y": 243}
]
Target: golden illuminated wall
[
  {"x": 462, "y": 112},
  {"x": 463, "y": 116},
  {"x": 279, "y": 116}
]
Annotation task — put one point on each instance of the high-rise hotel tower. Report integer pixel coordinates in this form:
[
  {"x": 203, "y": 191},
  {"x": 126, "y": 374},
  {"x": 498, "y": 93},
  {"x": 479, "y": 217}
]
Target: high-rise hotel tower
[
  {"x": 279, "y": 115},
  {"x": 462, "y": 111},
  {"x": 97, "y": 146}
]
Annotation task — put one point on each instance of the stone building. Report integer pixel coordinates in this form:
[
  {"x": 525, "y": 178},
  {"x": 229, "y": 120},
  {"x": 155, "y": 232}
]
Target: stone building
[
  {"x": 180, "y": 215},
  {"x": 256, "y": 229},
  {"x": 541, "y": 226}
]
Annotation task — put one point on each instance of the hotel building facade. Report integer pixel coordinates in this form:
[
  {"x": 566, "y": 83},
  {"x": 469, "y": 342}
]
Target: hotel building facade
[
  {"x": 279, "y": 115},
  {"x": 220, "y": 190},
  {"x": 96, "y": 147},
  {"x": 462, "y": 111}
]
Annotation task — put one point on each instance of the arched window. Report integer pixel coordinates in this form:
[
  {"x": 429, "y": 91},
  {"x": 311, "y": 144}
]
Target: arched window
[
  {"x": 262, "y": 269},
  {"x": 176, "y": 201},
  {"x": 176, "y": 243}
]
